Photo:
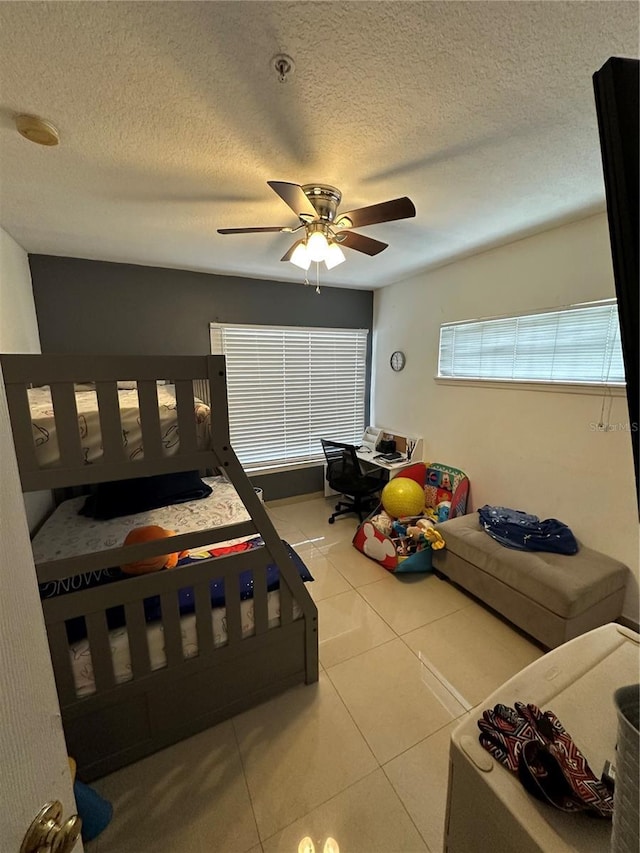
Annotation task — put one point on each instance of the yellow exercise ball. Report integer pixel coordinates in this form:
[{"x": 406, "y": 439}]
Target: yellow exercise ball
[{"x": 402, "y": 497}]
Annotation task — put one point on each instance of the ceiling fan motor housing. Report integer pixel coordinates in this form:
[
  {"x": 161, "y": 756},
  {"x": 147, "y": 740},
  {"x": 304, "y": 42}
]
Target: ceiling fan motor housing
[{"x": 324, "y": 198}]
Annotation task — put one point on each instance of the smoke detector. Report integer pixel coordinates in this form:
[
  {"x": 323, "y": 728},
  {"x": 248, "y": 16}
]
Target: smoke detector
[{"x": 37, "y": 130}]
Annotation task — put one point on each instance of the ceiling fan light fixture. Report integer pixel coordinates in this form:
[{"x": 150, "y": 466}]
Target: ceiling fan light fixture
[
  {"x": 317, "y": 246},
  {"x": 334, "y": 256},
  {"x": 300, "y": 257}
]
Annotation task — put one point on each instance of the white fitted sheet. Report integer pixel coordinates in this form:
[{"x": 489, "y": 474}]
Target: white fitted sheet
[
  {"x": 67, "y": 534},
  {"x": 45, "y": 434},
  {"x": 80, "y": 653}
]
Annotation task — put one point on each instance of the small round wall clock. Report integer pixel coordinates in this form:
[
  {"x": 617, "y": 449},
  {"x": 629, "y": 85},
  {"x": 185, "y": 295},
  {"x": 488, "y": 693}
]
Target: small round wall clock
[{"x": 397, "y": 360}]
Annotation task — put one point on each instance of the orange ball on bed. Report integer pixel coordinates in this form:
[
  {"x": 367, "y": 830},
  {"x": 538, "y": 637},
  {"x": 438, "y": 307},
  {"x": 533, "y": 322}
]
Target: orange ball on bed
[{"x": 150, "y": 564}]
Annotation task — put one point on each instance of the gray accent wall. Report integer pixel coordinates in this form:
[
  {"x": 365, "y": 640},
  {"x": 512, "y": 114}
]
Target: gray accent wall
[{"x": 98, "y": 307}]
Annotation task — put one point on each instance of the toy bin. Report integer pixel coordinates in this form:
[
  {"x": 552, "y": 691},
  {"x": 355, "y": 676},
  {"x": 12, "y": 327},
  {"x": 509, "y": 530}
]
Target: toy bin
[{"x": 446, "y": 492}]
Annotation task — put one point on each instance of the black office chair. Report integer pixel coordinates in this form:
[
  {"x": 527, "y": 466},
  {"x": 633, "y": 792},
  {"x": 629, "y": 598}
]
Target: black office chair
[{"x": 344, "y": 475}]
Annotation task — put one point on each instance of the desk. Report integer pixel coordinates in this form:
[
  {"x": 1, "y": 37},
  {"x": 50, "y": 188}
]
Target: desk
[
  {"x": 370, "y": 463},
  {"x": 402, "y": 442},
  {"x": 369, "y": 459}
]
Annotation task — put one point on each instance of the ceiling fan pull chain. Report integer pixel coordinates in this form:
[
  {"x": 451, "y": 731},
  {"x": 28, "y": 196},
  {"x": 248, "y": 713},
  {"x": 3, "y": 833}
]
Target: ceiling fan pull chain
[{"x": 317, "y": 278}]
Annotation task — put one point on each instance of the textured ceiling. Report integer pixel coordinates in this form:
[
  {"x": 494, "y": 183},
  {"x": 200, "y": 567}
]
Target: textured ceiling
[{"x": 172, "y": 120}]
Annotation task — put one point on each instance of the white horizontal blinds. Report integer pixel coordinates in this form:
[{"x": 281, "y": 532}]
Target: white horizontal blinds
[
  {"x": 577, "y": 344},
  {"x": 288, "y": 387}
]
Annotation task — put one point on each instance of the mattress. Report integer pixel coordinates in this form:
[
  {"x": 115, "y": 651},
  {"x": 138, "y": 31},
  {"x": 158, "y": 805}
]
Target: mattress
[
  {"x": 80, "y": 653},
  {"x": 44, "y": 425},
  {"x": 67, "y": 534}
]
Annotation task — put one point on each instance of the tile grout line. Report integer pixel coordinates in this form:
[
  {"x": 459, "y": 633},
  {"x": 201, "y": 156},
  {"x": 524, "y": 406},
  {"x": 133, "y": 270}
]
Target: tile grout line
[
  {"x": 351, "y": 717},
  {"x": 396, "y": 636},
  {"x": 246, "y": 783},
  {"x": 262, "y": 840},
  {"x": 445, "y": 682},
  {"x": 381, "y": 766},
  {"x": 402, "y": 803},
  {"x": 324, "y": 802}
]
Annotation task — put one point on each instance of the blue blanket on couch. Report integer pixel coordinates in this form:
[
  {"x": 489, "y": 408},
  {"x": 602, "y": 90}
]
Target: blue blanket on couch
[{"x": 526, "y": 532}]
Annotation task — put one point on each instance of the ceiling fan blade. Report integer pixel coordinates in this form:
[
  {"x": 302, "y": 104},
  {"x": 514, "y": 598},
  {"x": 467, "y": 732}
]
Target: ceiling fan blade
[
  {"x": 360, "y": 243},
  {"x": 294, "y": 196},
  {"x": 386, "y": 211},
  {"x": 287, "y": 255},
  {"x": 252, "y": 230}
]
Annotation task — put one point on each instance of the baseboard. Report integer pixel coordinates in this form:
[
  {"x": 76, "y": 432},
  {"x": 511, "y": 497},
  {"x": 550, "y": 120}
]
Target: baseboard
[{"x": 310, "y": 496}]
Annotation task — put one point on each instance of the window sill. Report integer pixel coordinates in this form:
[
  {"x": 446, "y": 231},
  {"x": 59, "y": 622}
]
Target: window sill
[
  {"x": 556, "y": 387},
  {"x": 259, "y": 469}
]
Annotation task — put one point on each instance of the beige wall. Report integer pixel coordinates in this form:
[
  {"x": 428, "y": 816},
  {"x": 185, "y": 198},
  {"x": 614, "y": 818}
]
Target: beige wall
[
  {"x": 18, "y": 324},
  {"x": 532, "y": 450},
  {"x": 19, "y": 333},
  {"x": 32, "y": 748}
]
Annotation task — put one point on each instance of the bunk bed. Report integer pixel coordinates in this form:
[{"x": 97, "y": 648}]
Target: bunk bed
[{"x": 183, "y": 670}]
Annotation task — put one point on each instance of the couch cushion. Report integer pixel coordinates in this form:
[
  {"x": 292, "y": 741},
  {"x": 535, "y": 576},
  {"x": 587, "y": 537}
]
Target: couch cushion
[{"x": 566, "y": 585}]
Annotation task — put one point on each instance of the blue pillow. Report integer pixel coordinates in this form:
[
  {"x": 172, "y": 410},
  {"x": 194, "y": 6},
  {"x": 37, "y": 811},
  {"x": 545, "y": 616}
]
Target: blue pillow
[{"x": 127, "y": 497}]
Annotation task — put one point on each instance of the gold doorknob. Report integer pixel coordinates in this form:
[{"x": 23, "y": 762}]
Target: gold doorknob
[{"x": 47, "y": 835}]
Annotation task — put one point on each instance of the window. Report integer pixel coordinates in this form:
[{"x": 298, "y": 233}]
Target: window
[
  {"x": 290, "y": 386},
  {"x": 579, "y": 344}
]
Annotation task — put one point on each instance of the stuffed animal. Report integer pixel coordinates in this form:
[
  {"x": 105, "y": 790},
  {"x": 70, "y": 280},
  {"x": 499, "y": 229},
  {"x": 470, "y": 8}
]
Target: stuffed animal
[
  {"x": 435, "y": 538},
  {"x": 443, "y": 509},
  {"x": 382, "y": 522},
  {"x": 150, "y": 564},
  {"x": 419, "y": 527},
  {"x": 399, "y": 529}
]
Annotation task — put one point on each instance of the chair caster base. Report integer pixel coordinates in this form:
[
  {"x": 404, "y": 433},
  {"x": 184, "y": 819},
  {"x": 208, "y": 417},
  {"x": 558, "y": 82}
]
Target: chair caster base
[{"x": 332, "y": 520}]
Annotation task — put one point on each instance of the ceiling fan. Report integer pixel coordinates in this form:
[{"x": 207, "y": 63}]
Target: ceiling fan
[{"x": 326, "y": 230}]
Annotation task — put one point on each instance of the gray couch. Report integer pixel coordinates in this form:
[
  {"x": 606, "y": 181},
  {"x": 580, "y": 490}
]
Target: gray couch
[{"x": 553, "y": 597}]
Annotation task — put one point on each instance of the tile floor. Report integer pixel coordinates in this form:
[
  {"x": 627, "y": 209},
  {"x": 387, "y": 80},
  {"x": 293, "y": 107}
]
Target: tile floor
[{"x": 361, "y": 756}]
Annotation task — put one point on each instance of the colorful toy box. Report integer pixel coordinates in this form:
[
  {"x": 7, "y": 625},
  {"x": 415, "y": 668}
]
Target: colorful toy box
[{"x": 381, "y": 537}]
